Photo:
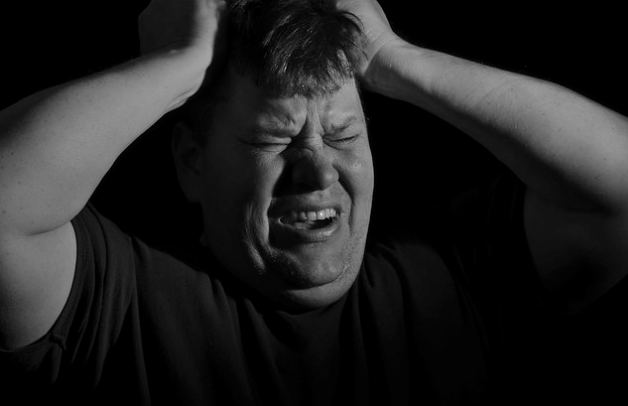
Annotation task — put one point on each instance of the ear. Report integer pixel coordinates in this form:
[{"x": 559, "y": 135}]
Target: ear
[{"x": 188, "y": 159}]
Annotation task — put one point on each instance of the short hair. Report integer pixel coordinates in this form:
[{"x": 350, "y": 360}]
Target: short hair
[
  {"x": 292, "y": 46},
  {"x": 288, "y": 47}
]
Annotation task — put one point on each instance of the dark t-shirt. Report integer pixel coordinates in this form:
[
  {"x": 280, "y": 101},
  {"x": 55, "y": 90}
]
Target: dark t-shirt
[{"x": 438, "y": 317}]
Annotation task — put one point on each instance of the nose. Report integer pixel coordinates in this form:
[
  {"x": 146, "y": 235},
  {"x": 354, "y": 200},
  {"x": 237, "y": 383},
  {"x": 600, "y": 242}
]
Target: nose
[{"x": 314, "y": 170}]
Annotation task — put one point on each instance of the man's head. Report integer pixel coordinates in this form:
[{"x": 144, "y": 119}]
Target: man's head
[{"x": 278, "y": 155}]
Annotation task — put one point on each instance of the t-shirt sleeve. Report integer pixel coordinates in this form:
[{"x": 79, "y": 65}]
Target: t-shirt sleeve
[
  {"x": 485, "y": 231},
  {"x": 545, "y": 352},
  {"x": 73, "y": 352}
]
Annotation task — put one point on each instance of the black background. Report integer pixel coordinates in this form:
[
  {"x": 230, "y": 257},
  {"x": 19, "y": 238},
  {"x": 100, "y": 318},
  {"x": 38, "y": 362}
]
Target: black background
[{"x": 417, "y": 156}]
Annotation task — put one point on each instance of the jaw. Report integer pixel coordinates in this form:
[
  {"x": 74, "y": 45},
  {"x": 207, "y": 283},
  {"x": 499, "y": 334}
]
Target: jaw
[
  {"x": 307, "y": 251},
  {"x": 309, "y": 276},
  {"x": 316, "y": 297},
  {"x": 307, "y": 284}
]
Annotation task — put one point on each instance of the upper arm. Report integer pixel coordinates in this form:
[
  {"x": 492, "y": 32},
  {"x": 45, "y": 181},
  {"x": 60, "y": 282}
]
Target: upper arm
[
  {"x": 579, "y": 255},
  {"x": 36, "y": 274}
]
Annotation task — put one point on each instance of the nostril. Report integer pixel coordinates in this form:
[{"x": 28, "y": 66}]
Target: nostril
[{"x": 315, "y": 173}]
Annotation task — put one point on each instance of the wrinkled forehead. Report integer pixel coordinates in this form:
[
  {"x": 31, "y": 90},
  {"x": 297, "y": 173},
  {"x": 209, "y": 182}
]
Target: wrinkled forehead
[{"x": 250, "y": 103}]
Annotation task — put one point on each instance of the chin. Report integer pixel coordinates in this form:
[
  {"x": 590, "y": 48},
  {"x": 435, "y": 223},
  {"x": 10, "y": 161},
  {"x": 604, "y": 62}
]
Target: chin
[
  {"x": 320, "y": 287},
  {"x": 309, "y": 280},
  {"x": 313, "y": 298}
]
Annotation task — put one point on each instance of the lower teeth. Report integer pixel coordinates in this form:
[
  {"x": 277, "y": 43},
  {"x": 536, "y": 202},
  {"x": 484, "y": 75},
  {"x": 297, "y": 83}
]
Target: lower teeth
[{"x": 311, "y": 224}]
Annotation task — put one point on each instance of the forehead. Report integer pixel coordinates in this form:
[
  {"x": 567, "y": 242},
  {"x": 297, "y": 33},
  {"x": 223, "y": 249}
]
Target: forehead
[{"x": 249, "y": 105}]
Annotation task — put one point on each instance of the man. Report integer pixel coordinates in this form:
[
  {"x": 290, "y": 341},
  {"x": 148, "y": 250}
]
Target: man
[{"x": 283, "y": 303}]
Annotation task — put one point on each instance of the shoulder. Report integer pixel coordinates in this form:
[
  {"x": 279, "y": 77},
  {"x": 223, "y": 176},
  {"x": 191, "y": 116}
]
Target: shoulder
[
  {"x": 113, "y": 252},
  {"x": 477, "y": 227},
  {"x": 473, "y": 242}
]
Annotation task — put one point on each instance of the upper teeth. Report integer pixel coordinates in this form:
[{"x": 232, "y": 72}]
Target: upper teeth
[{"x": 310, "y": 215}]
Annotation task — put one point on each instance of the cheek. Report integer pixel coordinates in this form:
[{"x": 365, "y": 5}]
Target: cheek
[
  {"x": 237, "y": 176},
  {"x": 237, "y": 194},
  {"x": 359, "y": 183},
  {"x": 357, "y": 170},
  {"x": 242, "y": 186},
  {"x": 263, "y": 174},
  {"x": 253, "y": 226}
]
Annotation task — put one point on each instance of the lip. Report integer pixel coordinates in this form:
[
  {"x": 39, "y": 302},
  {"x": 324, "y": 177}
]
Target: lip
[{"x": 288, "y": 234}]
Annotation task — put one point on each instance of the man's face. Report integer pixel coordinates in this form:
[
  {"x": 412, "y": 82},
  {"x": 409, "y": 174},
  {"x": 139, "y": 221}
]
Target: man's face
[{"x": 287, "y": 190}]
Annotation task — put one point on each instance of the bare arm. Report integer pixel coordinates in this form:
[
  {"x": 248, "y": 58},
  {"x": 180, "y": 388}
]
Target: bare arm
[
  {"x": 56, "y": 146},
  {"x": 570, "y": 151}
]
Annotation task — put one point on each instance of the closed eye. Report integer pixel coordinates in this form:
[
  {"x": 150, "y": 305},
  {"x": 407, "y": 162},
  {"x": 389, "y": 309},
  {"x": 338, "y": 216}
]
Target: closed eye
[
  {"x": 275, "y": 146},
  {"x": 338, "y": 140}
]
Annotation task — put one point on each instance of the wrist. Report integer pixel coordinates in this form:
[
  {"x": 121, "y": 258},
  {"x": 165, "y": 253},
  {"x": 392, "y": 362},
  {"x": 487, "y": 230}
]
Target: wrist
[
  {"x": 383, "y": 72},
  {"x": 182, "y": 72},
  {"x": 395, "y": 71}
]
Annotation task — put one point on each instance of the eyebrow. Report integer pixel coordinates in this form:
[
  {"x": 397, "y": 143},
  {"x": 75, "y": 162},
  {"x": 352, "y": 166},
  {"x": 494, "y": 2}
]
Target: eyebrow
[
  {"x": 339, "y": 128},
  {"x": 272, "y": 129},
  {"x": 278, "y": 130}
]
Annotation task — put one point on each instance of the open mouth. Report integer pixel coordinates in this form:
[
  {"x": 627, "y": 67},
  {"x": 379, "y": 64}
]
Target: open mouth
[{"x": 309, "y": 220}]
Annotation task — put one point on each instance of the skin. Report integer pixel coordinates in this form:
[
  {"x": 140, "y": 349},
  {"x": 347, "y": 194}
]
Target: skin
[
  {"x": 57, "y": 144},
  {"x": 267, "y": 161}
]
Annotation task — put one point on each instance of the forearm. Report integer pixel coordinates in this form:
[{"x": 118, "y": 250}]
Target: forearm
[
  {"x": 56, "y": 145},
  {"x": 565, "y": 147}
]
